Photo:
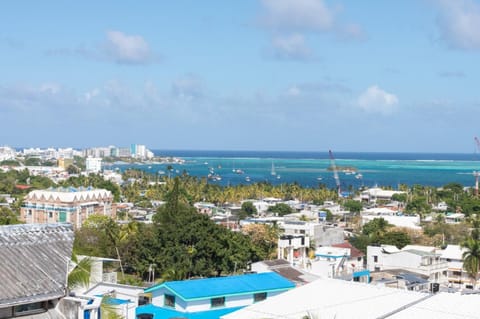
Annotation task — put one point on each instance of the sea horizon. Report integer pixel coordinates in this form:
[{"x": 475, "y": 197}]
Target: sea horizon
[{"x": 311, "y": 169}]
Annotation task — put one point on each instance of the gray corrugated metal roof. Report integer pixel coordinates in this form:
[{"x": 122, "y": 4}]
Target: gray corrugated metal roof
[{"x": 34, "y": 260}]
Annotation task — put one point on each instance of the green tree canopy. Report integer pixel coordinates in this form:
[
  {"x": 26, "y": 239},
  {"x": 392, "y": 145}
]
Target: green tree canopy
[
  {"x": 248, "y": 209},
  {"x": 8, "y": 217},
  {"x": 281, "y": 209},
  {"x": 353, "y": 206}
]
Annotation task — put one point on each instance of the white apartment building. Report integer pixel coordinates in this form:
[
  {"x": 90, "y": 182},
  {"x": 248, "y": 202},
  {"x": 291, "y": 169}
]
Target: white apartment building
[
  {"x": 418, "y": 259},
  {"x": 6, "y": 153},
  {"x": 93, "y": 164},
  {"x": 457, "y": 277},
  {"x": 321, "y": 234},
  {"x": 371, "y": 195},
  {"x": 293, "y": 249}
]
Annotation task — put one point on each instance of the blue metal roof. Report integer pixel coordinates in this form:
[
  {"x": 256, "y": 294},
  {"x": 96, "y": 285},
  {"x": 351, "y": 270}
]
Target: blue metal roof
[
  {"x": 164, "y": 313},
  {"x": 226, "y": 286}
]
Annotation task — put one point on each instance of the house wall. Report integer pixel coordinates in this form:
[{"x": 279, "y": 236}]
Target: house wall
[
  {"x": 157, "y": 297},
  {"x": 205, "y": 304},
  {"x": 402, "y": 260}
]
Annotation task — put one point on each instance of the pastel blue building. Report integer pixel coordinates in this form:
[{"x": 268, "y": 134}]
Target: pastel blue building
[{"x": 210, "y": 298}]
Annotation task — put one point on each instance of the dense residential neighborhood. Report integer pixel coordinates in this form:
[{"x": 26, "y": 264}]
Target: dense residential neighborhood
[{"x": 93, "y": 242}]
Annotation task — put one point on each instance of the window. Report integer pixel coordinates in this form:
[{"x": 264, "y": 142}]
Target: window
[
  {"x": 143, "y": 300},
  {"x": 375, "y": 259},
  {"x": 145, "y": 316},
  {"x": 169, "y": 301},
  {"x": 218, "y": 302},
  {"x": 457, "y": 273},
  {"x": 31, "y": 308},
  {"x": 259, "y": 296}
]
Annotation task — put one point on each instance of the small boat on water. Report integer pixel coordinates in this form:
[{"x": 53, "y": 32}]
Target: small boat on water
[
  {"x": 247, "y": 179},
  {"x": 273, "y": 172},
  {"x": 358, "y": 176},
  {"x": 214, "y": 177},
  {"x": 319, "y": 178}
]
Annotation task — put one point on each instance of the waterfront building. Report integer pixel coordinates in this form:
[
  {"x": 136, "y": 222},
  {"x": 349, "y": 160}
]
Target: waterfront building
[
  {"x": 124, "y": 152},
  {"x": 72, "y": 205},
  {"x": 211, "y": 297},
  {"x": 371, "y": 195},
  {"x": 93, "y": 164}
]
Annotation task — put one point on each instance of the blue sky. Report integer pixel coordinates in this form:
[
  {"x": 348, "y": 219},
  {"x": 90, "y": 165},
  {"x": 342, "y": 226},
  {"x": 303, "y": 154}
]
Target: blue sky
[{"x": 347, "y": 75}]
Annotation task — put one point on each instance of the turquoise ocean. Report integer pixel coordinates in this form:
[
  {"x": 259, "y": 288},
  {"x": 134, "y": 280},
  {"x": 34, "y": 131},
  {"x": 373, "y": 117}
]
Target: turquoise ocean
[{"x": 310, "y": 169}]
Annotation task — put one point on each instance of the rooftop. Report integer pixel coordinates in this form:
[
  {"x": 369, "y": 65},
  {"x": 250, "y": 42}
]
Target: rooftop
[
  {"x": 330, "y": 298},
  {"x": 226, "y": 286},
  {"x": 34, "y": 262}
]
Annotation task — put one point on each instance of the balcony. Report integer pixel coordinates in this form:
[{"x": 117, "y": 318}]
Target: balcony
[
  {"x": 434, "y": 267},
  {"x": 295, "y": 242}
]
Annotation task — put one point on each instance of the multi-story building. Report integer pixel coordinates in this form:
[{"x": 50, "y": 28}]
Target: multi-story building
[
  {"x": 321, "y": 234},
  {"x": 72, "y": 205},
  {"x": 65, "y": 162},
  {"x": 124, "y": 152},
  {"x": 456, "y": 275},
  {"x": 93, "y": 164},
  {"x": 6, "y": 153},
  {"x": 422, "y": 260}
]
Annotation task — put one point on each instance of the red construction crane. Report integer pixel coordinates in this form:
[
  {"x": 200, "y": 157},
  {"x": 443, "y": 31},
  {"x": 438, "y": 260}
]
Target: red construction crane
[{"x": 335, "y": 172}]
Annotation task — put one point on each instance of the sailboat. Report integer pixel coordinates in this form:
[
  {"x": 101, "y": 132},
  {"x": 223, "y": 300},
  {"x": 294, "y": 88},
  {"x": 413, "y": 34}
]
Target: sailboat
[{"x": 273, "y": 173}]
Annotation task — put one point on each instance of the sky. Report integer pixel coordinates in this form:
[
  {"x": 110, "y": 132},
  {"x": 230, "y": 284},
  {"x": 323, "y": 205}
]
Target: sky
[{"x": 299, "y": 75}]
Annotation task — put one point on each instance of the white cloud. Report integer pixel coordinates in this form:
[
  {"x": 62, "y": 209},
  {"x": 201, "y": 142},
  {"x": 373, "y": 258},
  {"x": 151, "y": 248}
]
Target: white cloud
[
  {"x": 300, "y": 15},
  {"x": 293, "y": 91},
  {"x": 376, "y": 100},
  {"x": 128, "y": 49},
  {"x": 351, "y": 31},
  {"x": 187, "y": 87},
  {"x": 459, "y": 23},
  {"x": 289, "y": 21},
  {"x": 91, "y": 94},
  {"x": 291, "y": 47}
]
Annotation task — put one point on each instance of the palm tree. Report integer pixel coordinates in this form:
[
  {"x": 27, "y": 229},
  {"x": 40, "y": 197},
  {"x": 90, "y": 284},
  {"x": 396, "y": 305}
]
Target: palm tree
[
  {"x": 471, "y": 258},
  {"x": 80, "y": 274}
]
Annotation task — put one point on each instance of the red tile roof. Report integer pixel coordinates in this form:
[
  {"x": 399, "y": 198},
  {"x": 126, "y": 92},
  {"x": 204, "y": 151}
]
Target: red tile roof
[
  {"x": 354, "y": 252},
  {"x": 22, "y": 187}
]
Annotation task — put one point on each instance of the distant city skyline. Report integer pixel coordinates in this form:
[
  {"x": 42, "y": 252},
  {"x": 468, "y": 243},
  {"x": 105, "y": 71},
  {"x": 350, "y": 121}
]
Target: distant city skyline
[{"x": 299, "y": 75}]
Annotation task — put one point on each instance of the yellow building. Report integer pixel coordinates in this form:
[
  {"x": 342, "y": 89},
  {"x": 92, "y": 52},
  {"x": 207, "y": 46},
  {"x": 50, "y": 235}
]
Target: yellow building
[{"x": 65, "y": 162}]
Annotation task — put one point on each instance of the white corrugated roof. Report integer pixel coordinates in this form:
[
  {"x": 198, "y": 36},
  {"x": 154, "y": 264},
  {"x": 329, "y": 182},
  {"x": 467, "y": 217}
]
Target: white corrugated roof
[
  {"x": 452, "y": 252},
  {"x": 330, "y": 298},
  {"x": 443, "y": 306}
]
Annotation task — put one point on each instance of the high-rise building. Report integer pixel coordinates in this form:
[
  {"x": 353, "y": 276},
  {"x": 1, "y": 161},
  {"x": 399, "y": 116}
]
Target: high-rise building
[{"x": 93, "y": 164}]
